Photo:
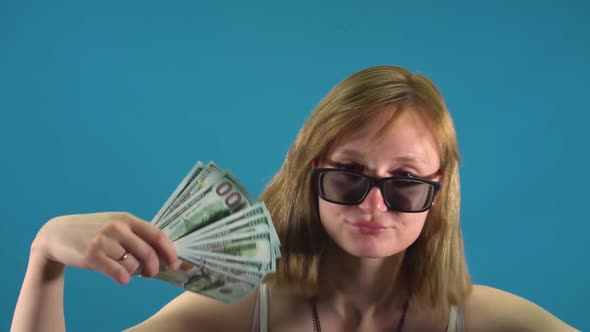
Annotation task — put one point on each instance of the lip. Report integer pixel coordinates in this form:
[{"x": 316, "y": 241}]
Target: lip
[
  {"x": 369, "y": 224},
  {"x": 369, "y": 227}
]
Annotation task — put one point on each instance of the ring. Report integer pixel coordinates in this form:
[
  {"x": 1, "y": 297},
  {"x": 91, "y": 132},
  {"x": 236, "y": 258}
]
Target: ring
[{"x": 125, "y": 255}]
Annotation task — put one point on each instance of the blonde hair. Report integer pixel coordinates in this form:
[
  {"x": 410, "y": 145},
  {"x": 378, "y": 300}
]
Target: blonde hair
[{"x": 434, "y": 265}]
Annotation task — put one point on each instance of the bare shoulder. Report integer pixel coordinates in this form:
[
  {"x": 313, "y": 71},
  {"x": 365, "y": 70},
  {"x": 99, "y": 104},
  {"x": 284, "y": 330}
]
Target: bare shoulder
[
  {"x": 193, "y": 312},
  {"x": 492, "y": 309}
]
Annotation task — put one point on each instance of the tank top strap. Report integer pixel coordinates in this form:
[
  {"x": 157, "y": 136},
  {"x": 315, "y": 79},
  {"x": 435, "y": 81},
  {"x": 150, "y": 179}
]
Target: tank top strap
[
  {"x": 452, "y": 322},
  {"x": 260, "y": 316},
  {"x": 460, "y": 320},
  {"x": 456, "y": 321}
]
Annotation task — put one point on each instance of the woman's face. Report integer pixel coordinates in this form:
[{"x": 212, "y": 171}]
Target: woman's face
[{"x": 369, "y": 229}]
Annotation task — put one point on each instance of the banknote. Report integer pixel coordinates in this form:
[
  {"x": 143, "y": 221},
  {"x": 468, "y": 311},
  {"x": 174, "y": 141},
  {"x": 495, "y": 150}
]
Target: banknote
[
  {"x": 204, "y": 178},
  {"x": 257, "y": 248},
  {"x": 215, "y": 202},
  {"x": 226, "y": 243},
  {"x": 248, "y": 220},
  {"x": 236, "y": 271},
  {"x": 259, "y": 232},
  {"x": 256, "y": 210},
  {"x": 237, "y": 262},
  {"x": 188, "y": 179},
  {"x": 253, "y": 225},
  {"x": 208, "y": 281}
]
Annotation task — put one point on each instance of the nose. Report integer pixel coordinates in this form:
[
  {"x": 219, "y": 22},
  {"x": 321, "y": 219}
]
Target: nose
[{"x": 373, "y": 202}]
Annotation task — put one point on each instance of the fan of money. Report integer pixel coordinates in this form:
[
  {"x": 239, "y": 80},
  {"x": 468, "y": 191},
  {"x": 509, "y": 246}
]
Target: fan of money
[{"x": 226, "y": 243}]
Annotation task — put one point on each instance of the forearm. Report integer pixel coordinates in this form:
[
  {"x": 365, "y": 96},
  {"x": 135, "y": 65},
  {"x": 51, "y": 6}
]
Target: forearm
[{"x": 40, "y": 303}]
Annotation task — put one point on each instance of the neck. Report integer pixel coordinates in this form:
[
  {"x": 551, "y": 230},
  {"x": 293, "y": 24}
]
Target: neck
[{"x": 361, "y": 285}]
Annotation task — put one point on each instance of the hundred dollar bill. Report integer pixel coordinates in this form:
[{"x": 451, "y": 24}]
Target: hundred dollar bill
[
  {"x": 259, "y": 232},
  {"x": 236, "y": 271},
  {"x": 248, "y": 247},
  {"x": 239, "y": 222},
  {"x": 179, "y": 190},
  {"x": 200, "y": 181},
  {"x": 252, "y": 271},
  {"x": 235, "y": 242},
  {"x": 255, "y": 226},
  {"x": 252, "y": 211},
  {"x": 227, "y": 260},
  {"x": 219, "y": 200},
  {"x": 245, "y": 221},
  {"x": 207, "y": 176},
  {"x": 226, "y": 264},
  {"x": 207, "y": 281},
  {"x": 252, "y": 225}
]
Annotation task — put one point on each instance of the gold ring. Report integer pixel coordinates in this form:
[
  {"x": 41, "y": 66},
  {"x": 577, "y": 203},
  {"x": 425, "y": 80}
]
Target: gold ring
[{"x": 125, "y": 255}]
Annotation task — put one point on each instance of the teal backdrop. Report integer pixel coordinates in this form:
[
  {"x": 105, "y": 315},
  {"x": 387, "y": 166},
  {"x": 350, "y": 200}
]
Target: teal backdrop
[{"x": 105, "y": 105}]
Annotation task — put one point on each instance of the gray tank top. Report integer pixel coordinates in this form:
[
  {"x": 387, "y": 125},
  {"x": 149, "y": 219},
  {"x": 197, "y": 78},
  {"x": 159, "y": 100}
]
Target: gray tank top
[{"x": 260, "y": 318}]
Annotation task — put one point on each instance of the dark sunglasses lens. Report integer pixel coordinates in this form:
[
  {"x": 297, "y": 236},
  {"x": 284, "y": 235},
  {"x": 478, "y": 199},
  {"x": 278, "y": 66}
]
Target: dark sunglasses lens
[
  {"x": 408, "y": 195},
  {"x": 343, "y": 187}
]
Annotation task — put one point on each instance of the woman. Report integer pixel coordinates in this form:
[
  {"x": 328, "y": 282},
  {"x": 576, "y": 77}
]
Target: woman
[{"x": 367, "y": 209}]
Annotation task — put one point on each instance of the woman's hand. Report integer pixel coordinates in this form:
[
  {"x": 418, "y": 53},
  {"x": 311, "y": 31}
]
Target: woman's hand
[{"x": 113, "y": 243}]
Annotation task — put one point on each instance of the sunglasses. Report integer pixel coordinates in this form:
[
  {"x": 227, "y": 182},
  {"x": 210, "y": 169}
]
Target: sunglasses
[{"x": 402, "y": 194}]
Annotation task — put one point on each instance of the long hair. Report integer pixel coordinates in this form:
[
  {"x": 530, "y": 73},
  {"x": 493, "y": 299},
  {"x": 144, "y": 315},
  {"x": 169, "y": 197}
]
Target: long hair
[{"x": 434, "y": 265}]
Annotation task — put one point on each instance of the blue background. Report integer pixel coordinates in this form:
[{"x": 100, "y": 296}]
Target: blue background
[{"x": 106, "y": 105}]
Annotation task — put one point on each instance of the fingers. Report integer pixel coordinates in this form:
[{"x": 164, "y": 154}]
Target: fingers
[
  {"x": 111, "y": 268},
  {"x": 157, "y": 239},
  {"x": 144, "y": 241},
  {"x": 119, "y": 254},
  {"x": 99, "y": 259},
  {"x": 129, "y": 262},
  {"x": 144, "y": 253}
]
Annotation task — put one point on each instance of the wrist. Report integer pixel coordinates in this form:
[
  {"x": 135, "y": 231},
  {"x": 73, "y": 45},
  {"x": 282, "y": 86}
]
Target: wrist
[
  {"x": 46, "y": 268},
  {"x": 40, "y": 260}
]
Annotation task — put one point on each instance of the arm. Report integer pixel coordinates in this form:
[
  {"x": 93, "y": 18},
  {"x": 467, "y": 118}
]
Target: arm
[
  {"x": 40, "y": 303},
  {"x": 490, "y": 309},
  {"x": 92, "y": 241},
  {"x": 40, "y": 306}
]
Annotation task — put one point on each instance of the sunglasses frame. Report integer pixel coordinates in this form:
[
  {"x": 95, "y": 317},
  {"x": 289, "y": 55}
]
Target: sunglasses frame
[{"x": 317, "y": 174}]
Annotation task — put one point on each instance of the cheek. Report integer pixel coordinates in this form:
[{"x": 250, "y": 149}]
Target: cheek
[
  {"x": 412, "y": 224},
  {"x": 331, "y": 215},
  {"x": 327, "y": 212}
]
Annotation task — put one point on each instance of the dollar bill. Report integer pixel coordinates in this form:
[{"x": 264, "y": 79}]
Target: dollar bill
[
  {"x": 243, "y": 221},
  {"x": 188, "y": 179},
  {"x": 206, "y": 177},
  {"x": 181, "y": 204},
  {"x": 225, "y": 264},
  {"x": 247, "y": 247},
  {"x": 255, "y": 210},
  {"x": 217, "y": 201},
  {"x": 208, "y": 281},
  {"x": 237, "y": 271},
  {"x": 227, "y": 260},
  {"x": 226, "y": 244},
  {"x": 252, "y": 225}
]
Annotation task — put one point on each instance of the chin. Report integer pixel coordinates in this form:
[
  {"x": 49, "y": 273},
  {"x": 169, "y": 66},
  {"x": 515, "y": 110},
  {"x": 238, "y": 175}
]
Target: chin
[{"x": 371, "y": 249}]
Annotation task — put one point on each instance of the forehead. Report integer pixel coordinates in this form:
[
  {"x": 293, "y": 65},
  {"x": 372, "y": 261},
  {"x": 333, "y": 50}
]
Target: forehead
[{"x": 387, "y": 136}]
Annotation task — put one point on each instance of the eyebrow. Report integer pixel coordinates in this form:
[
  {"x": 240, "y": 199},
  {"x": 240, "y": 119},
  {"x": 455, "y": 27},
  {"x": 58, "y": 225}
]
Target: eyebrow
[{"x": 403, "y": 159}]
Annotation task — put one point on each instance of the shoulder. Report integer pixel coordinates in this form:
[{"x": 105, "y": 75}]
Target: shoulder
[
  {"x": 492, "y": 309},
  {"x": 190, "y": 311},
  {"x": 288, "y": 312}
]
